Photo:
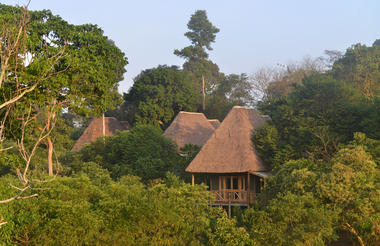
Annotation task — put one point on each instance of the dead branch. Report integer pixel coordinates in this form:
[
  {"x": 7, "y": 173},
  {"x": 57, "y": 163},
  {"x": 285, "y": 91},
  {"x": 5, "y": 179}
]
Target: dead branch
[
  {"x": 19, "y": 195},
  {"x": 18, "y": 97},
  {"x": 45, "y": 132},
  {"x": 18, "y": 198}
]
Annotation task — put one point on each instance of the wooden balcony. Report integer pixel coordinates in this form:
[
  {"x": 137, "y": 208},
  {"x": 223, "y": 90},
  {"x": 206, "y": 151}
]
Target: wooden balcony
[{"x": 227, "y": 197}]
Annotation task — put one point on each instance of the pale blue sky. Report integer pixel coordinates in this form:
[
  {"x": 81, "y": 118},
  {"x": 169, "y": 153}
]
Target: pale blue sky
[{"x": 253, "y": 33}]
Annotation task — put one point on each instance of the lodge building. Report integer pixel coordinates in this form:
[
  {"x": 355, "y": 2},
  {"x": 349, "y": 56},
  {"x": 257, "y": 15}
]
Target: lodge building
[{"x": 227, "y": 162}]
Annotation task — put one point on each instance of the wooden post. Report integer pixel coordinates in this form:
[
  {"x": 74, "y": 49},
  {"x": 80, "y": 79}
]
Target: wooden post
[
  {"x": 248, "y": 189},
  {"x": 229, "y": 205},
  {"x": 220, "y": 184},
  {"x": 192, "y": 179},
  {"x": 210, "y": 181}
]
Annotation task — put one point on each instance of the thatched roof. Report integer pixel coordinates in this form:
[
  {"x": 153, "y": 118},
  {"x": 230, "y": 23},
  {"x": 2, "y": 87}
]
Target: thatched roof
[
  {"x": 229, "y": 149},
  {"x": 189, "y": 128},
  {"x": 215, "y": 123},
  {"x": 95, "y": 130}
]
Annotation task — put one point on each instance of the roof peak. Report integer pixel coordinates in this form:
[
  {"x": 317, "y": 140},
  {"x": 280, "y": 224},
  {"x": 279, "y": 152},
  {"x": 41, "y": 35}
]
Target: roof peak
[
  {"x": 229, "y": 149},
  {"x": 189, "y": 128},
  {"x": 185, "y": 112}
]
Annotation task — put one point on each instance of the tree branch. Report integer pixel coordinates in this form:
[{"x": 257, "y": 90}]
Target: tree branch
[{"x": 15, "y": 99}]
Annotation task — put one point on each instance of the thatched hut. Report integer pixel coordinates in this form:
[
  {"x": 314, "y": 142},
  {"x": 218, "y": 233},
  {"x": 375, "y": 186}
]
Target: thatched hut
[
  {"x": 99, "y": 128},
  {"x": 228, "y": 161},
  {"x": 189, "y": 128},
  {"x": 215, "y": 123}
]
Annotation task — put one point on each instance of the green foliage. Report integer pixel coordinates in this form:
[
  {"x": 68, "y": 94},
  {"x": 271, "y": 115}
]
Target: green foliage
[
  {"x": 53, "y": 66},
  {"x": 295, "y": 176},
  {"x": 291, "y": 219},
  {"x": 69, "y": 62},
  {"x": 314, "y": 201},
  {"x": 359, "y": 67},
  {"x": 201, "y": 34},
  {"x": 230, "y": 91},
  {"x": 80, "y": 210},
  {"x": 142, "y": 151},
  {"x": 158, "y": 94},
  {"x": 266, "y": 141},
  {"x": 324, "y": 165},
  {"x": 350, "y": 187},
  {"x": 318, "y": 121},
  {"x": 312, "y": 120},
  {"x": 226, "y": 232}
]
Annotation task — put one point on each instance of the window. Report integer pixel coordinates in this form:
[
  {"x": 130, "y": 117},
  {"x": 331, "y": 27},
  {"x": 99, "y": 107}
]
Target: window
[{"x": 232, "y": 182}]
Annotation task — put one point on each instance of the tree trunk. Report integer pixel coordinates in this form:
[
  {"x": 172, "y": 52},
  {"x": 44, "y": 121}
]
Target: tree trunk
[
  {"x": 50, "y": 156},
  {"x": 204, "y": 94},
  {"x": 352, "y": 230}
]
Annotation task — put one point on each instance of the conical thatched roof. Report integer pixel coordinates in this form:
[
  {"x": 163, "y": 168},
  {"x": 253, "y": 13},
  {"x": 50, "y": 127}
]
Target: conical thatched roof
[
  {"x": 215, "y": 123},
  {"x": 229, "y": 149},
  {"x": 95, "y": 130},
  {"x": 189, "y": 128}
]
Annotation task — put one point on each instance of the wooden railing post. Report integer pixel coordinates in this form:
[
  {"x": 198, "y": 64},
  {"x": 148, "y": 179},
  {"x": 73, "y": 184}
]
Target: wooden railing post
[
  {"x": 229, "y": 205},
  {"x": 192, "y": 179},
  {"x": 248, "y": 190}
]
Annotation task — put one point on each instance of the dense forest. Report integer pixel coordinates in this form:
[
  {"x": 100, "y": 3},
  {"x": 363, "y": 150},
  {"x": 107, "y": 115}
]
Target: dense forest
[{"x": 323, "y": 142}]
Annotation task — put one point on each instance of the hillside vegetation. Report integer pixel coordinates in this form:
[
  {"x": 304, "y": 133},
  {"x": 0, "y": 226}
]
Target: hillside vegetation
[{"x": 323, "y": 143}]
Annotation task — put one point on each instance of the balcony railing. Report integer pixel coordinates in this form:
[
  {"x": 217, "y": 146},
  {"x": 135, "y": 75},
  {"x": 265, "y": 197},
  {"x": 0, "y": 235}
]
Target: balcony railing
[{"x": 236, "y": 197}]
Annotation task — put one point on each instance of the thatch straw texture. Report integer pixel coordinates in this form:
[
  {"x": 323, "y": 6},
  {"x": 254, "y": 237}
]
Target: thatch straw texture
[
  {"x": 189, "y": 128},
  {"x": 215, "y": 123},
  {"x": 95, "y": 130},
  {"x": 229, "y": 149}
]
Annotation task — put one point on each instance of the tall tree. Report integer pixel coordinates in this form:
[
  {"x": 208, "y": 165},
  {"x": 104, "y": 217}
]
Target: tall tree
[{"x": 204, "y": 72}]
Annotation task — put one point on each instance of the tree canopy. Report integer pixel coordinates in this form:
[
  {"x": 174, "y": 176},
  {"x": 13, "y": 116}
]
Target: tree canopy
[{"x": 158, "y": 94}]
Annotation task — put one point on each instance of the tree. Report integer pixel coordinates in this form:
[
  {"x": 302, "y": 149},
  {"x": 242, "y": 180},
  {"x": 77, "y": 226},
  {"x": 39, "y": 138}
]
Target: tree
[
  {"x": 90, "y": 208},
  {"x": 349, "y": 187},
  {"x": 359, "y": 67},
  {"x": 231, "y": 90},
  {"x": 311, "y": 121},
  {"x": 84, "y": 79},
  {"x": 201, "y": 35},
  {"x": 142, "y": 151},
  {"x": 291, "y": 219},
  {"x": 314, "y": 200},
  {"x": 281, "y": 81},
  {"x": 158, "y": 94},
  {"x": 47, "y": 65}
]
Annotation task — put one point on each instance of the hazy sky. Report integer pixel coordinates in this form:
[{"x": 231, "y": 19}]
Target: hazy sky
[{"x": 253, "y": 33}]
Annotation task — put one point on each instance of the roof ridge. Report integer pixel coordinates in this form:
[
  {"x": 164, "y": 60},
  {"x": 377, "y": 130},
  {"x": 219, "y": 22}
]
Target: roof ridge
[{"x": 186, "y": 112}]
